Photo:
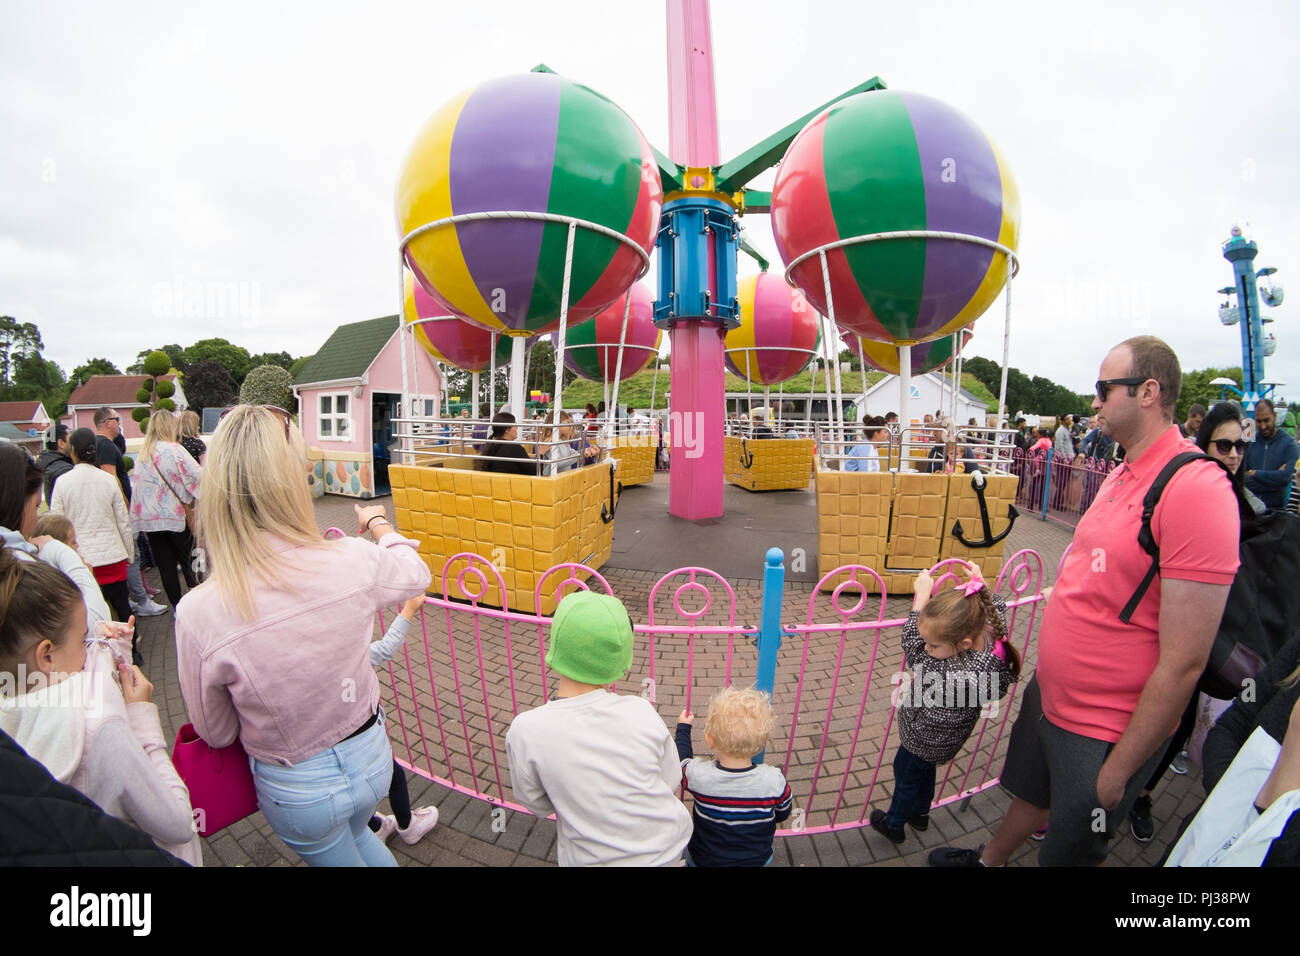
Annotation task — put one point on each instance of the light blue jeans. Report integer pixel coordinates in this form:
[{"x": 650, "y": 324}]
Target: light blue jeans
[{"x": 321, "y": 806}]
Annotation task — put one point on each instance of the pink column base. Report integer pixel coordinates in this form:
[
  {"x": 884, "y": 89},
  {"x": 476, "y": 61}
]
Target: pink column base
[{"x": 696, "y": 416}]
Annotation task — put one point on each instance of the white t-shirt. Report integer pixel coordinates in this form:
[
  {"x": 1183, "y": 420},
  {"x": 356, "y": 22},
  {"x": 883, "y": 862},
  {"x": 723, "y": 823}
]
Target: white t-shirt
[{"x": 607, "y": 767}]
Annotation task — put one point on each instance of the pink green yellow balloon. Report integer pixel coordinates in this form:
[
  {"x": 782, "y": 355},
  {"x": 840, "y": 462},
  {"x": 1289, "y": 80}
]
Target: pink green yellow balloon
[
  {"x": 591, "y": 348},
  {"x": 889, "y": 161},
  {"x": 531, "y": 142},
  {"x": 778, "y": 331}
]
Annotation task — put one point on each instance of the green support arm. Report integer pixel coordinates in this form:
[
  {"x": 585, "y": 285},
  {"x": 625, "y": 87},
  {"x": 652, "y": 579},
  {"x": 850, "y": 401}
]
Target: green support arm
[{"x": 733, "y": 174}]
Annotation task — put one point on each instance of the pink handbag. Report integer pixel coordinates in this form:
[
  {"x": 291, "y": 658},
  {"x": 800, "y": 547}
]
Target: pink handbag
[{"x": 221, "y": 785}]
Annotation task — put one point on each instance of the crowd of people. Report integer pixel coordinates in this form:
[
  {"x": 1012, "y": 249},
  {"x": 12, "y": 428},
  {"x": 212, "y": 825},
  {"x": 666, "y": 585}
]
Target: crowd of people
[{"x": 275, "y": 619}]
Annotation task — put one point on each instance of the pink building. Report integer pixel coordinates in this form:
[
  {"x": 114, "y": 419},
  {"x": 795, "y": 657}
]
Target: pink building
[
  {"x": 349, "y": 394},
  {"x": 114, "y": 391}
]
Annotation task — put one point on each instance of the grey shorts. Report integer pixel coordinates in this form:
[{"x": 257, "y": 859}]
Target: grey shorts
[{"x": 1056, "y": 770}]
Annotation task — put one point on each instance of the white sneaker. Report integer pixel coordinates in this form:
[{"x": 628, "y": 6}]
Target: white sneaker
[
  {"x": 422, "y": 821},
  {"x": 387, "y": 824},
  {"x": 148, "y": 609},
  {"x": 1179, "y": 764}
]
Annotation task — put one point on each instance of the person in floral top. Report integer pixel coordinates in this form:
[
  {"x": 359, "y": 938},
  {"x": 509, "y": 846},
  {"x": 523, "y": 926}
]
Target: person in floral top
[{"x": 166, "y": 479}]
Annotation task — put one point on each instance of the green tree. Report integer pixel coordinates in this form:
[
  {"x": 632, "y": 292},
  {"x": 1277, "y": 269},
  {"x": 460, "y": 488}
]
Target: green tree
[
  {"x": 175, "y": 356},
  {"x": 208, "y": 385},
  {"x": 1197, "y": 388},
  {"x": 95, "y": 366},
  {"x": 36, "y": 378},
  {"x": 297, "y": 365},
  {"x": 268, "y": 385},
  {"x": 17, "y": 340},
  {"x": 282, "y": 359},
  {"x": 236, "y": 359}
]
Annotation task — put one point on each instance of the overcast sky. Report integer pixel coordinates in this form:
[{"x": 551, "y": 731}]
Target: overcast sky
[{"x": 253, "y": 149}]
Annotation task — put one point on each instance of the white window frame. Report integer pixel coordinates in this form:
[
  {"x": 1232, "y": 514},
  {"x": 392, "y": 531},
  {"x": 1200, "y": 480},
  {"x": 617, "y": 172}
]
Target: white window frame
[{"x": 334, "y": 417}]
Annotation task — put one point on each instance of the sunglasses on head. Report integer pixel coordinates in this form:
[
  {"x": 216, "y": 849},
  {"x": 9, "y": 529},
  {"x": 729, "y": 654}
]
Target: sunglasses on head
[
  {"x": 1226, "y": 445},
  {"x": 288, "y": 419},
  {"x": 1103, "y": 387}
]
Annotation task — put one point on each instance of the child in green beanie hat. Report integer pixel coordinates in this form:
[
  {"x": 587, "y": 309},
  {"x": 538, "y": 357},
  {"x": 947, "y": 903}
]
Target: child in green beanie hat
[{"x": 604, "y": 764}]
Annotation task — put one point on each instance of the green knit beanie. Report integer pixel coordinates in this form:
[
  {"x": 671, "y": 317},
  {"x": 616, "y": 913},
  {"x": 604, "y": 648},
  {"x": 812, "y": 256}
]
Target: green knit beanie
[{"x": 591, "y": 639}]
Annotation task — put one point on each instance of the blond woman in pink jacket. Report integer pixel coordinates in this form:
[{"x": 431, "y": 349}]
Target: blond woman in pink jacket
[{"x": 274, "y": 647}]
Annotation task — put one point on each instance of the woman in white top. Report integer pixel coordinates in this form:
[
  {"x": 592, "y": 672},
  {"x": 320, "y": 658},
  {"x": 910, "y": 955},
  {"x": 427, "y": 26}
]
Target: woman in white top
[{"x": 92, "y": 500}]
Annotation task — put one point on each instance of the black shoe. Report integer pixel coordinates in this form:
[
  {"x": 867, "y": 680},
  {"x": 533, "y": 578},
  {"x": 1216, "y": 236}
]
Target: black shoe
[
  {"x": 890, "y": 833},
  {"x": 951, "y": 856},
  {"x": 920, "y": 822},
  {"x": 1139, "y": 820}
]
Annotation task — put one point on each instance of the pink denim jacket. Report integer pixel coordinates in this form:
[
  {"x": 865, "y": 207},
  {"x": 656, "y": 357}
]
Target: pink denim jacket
[{"x": 297, "y": 680}]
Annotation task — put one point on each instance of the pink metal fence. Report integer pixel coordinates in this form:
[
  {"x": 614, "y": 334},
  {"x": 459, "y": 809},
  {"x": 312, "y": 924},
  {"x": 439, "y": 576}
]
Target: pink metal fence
[
  {"x": 1070, "y": 485},
  {"x": 471, "y": 666}
]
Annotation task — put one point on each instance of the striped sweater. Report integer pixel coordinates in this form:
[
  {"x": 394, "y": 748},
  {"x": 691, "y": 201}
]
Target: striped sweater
[{"x": 736, "y": 811}]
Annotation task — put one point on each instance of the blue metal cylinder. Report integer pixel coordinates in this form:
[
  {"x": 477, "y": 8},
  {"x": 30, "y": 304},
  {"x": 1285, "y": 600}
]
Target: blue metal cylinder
[{"x": 697, "y": 236}]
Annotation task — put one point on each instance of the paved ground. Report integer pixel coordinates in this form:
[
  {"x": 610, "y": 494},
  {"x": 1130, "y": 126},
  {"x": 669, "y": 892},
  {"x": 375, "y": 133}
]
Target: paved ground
[{"x": 473, "y": 832}]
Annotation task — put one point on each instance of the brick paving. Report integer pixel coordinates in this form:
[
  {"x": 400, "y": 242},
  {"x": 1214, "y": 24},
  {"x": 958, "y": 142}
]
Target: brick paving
[{"x": 473, "y": 832}]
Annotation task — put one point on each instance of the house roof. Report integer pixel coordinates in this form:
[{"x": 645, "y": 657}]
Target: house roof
[
  {"x": 10, "y": 432},
  {"x": 944, "y": 382},
  {"x": 19, "y": 411},
  {"x": 349, "y": 351},
  {"x": 111, "y": 390}
]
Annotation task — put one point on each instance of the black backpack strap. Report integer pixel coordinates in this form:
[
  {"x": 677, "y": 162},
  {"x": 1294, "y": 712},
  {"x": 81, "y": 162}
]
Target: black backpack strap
[{"x": 1145, "y": 538}]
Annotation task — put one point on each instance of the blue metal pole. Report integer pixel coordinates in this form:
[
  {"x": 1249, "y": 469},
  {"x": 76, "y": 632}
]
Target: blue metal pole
[
  {"x": 769, "y": 628},
  {"x": 1241, "y": 252}
]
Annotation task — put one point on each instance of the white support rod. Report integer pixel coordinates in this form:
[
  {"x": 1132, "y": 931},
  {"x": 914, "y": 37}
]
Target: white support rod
[
  {"x": 905, "y": 384},
  {"x": 837, "y": 413},
  {"x": 517, "y": 350},
  {"x": 416, "y": 349},
  {"x": 475, "y": 400},
  {"x": 862, "y": 366},
  {"x": 954, "y": 375},
  {"x": 812, "y": 390},
  {"x": 563, "y": 330},
  {"x": 654, "y": 386},
  {"x": 1006, "y": 359},
  {"x": 492, "y": 378},
  {"x": 622, "y": 341},
  {"x": 401, "y": 323},
  {"x": 830, "y": 403}
]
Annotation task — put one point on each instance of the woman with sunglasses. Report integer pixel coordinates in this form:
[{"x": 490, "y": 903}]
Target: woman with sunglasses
[
  {"x": 1220, "y": 437},
  {"x": 274, "y": 647}
]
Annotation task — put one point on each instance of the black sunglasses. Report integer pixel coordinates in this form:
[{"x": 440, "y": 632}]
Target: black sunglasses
[
  {"x": 1103, "y": 387},
  {"x": 1226, "y": 445}
]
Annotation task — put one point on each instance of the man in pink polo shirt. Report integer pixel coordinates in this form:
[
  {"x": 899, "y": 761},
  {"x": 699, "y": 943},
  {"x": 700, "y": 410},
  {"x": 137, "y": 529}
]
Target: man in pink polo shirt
[{"x": 1107, "y": 695}]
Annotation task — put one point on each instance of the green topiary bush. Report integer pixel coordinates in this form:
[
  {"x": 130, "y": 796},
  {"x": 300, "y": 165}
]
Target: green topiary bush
[
  {"x": 268, "y": 385},
  {"x": 143, "y": 395},
  {"x": 165, "y": 389},
  {"x": 140, "y": 414},
  {"x": 157, "y": 363}
]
